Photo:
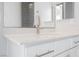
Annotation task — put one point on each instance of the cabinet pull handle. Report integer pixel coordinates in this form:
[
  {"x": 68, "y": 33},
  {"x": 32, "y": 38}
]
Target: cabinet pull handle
[
  {"x": 76, "y": 42},
  {"x": 45, "y": 53}
]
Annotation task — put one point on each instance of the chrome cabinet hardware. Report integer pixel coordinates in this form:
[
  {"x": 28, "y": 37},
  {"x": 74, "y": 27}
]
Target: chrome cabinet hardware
[
  {"x": 76, "y": 42},
  {"x": 45, "y": 53}
]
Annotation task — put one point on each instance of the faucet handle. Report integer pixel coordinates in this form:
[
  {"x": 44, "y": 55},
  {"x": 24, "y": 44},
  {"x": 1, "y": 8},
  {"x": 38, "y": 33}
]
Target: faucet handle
[{"x": 37, "y": 28}]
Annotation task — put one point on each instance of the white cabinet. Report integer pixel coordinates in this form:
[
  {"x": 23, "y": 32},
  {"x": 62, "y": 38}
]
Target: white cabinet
[
  {"x": 77, "y": 51},
  {"x": 75, "y": 44},
  {"x": 40, "y": 50},
  {"x": 14, "y": 50},
  {"x": 73, "y": 52},
  {"x": 69, "y": 53},
  {"x": 75, "y": 41},
  {"x": 65, "y": 54},
  {"x": 67, "y": 48},
  {"x": 62, "y": 48},
  {"x": 62, "y": 45}
]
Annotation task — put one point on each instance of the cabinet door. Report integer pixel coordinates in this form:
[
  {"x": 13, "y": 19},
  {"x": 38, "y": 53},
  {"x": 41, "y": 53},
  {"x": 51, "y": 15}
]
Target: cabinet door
[
  {"x": 42, "y": 50},
  {"x": 14, "y": 50},
  {"x": 73, "y": 52},
  {"x": 65, "y": 54},
  {"x": 77, "y": 51},
  {"x": 61, "y": 46}
]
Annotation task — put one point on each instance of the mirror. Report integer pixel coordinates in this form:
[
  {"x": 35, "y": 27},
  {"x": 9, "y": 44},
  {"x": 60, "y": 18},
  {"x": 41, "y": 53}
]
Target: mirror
[
  {"x": 59, "y": 11},
  {"x": 18, "y": 14},
  {"x": 64, "y": 10},
  {"x": 36, "y": 14},
  {"x": 45, "y": 13},
  {"x": 28, "y": 14}
]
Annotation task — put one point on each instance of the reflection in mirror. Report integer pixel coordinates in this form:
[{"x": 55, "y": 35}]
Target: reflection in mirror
[
  {"x": 69, "y": 10},
  {"x": 27, "y": 9},
  {"x": 19, "y": 14},
  {"x": 59, "y": 10},
  {"x": 46, "y": 11},
  {"x": 24, "y": 14},
  {"x": 64, "y": 10}
]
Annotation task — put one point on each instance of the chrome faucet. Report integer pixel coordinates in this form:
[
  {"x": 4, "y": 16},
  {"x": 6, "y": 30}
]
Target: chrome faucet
[{"x": 38, "y": 25}]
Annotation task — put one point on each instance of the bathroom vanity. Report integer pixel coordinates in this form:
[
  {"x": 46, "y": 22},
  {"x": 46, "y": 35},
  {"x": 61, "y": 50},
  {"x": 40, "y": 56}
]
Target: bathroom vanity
[
  {"x": 57, "y": 38},
  {"x": 63, "y": 47},
  {"x": 50, "y": 45}
]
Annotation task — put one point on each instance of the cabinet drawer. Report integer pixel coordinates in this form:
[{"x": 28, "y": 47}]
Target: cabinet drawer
[
  {"x": 40, "y": 50},
  {"x": 62, "y": 45},
  {"x": 46, "y": 54},
  {"x": 65, "y": 54},
  {"x": 75, "y": 41}
]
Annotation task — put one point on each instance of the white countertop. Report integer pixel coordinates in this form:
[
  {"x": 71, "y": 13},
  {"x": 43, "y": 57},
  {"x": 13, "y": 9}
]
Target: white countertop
[{"x": 30, "y": 39}]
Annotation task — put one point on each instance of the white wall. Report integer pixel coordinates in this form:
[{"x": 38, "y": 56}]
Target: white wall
[
  {"x": 12, "y": 14},
  {"x": 2, "y": 38}
]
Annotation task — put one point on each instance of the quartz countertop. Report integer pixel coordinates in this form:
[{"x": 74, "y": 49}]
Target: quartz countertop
[{"x": 33, "y": 39}]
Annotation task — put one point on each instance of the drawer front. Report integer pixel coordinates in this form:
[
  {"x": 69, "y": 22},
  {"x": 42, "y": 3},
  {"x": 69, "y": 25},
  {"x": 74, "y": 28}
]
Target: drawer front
[
  {"x": 47, "y": 54},
  {"x": 40, "y": 50},
  {"x": 62, "y": 45},
  {"x": 75, "y": 41},
  {"x": 65, "y": 54}
]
